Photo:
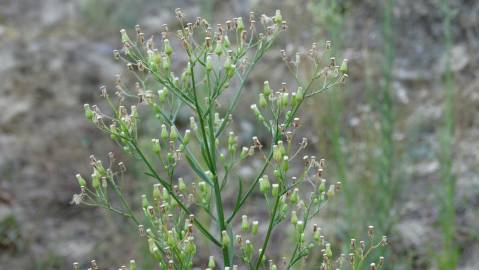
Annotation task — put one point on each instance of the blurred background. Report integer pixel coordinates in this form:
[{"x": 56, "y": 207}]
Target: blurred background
[{"x": 402, "y": 135}]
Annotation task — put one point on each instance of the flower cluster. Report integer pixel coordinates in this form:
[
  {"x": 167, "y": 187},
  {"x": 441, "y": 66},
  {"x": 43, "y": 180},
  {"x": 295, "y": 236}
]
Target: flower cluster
[{"x": 190, "y": 71}]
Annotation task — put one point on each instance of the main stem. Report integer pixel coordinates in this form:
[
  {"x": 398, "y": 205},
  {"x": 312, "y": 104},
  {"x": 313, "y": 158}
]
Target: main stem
[{"x": 211, "y": 157}]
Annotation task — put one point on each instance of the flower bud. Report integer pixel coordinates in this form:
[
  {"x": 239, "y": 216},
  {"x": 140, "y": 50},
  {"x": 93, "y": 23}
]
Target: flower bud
[
  {"x": 284, "y": 99},
  {"x": 262, "y": 100},
  {"x": 294, "y": 196},
  {"x": 219, "y": 49},
  {"x": 156, "y": 146},
  {"x": 239, "y": 24},
  {"x": 299, "y": 227},
  {"x": 209, "y": 63},
  {"x": 133, "y": 265},
  {"x": 144, "y": 201},
  {"x": 285, "y": 163},
  {"x": 162, "y": 94},
  {"x": 211, "y": 262},
  {"x": 173, "y": 133},
  {"x": 95, "y": 180},
  {"x": 322, "y": 186},
  {"x": 124, "y": 36},
  {"x": 331, "y": 191},
  {"x": 244, "y": 152},
  {"x": 167, "y": 47},
  {"x": 264, "y": 184},
  {"x": 181, "y": 185},
  {"x": 275, "y": 190},
  {"x": 166, "y": 62},
  {"x": 226, "y": 41},
  {"x": 254, "y": 227},
  {"x": 156, "y": 192},
  {"x": 344, "y": 66},
  {"x": 294, "y": 100},
  {"x": 193, "y": 125},
  {"x": 277, "y": 18},
  {"x": 152, "y": 246},
  {"x": 277, "y": 173},
  {"x": 266, "y": 89},
  {"x": 248, "y": 250},
  {"x": 294, "y": 218},
  {"x": 244, "y": 223},
  {"x": 164, "y": 132},
  {"x": 300, "y": 94},
  {"x": 88, "y": 112},
  {"x": 225, "y": 238},
  {"x": 328, "y": 250},
  {"x": 276, "y": 153},
  {"x": 187, "y": 137},
  {"x": 81, "y": 180}
]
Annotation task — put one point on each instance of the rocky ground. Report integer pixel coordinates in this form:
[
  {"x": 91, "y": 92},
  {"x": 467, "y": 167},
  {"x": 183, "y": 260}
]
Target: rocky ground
[{"x": 54, "y": 54}]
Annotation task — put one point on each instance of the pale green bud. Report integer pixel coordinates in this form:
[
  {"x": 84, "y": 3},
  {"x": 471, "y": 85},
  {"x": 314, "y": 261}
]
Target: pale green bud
[
  {"x": 226, "y": 41},
  {"x": 262, "y": 100},
  {"x": 294, "y": 218},
  {"x": 193, "y": 125},
  {"x": 152, "y": 246},
  {"x": 275, "y": 190},
  {"x": 244, "y": 223},
  {"x": 285, "y": 163},
  {"x": 248, "y": 250},
  {"x": 294, "y": 196},
  {"x": 244, "y": 152},
  {"x": 187, "y": 137},
  {"x": 264, "y": 184},
  {"x": 165, "y": 194},
  {"x": 144, "y": 201},
  {"x": 164, "y": 132},
  {"x": 284, "y": 99},
  {"x": 211, "y": 262},
  {"x": 209, "y": 63},
  {"x": 240, "y": 24},
  {"x": 181, "y": 184},
  {"x": 299, "y": 226},
  {"x": 88, "y": 112},
  {"x": 266, "y": 89},
  {"x": 331, "y": 191},
  {"x": 300, "y": 94},
  {"x": 218, "y": 49},
  {"x": 254, "y": 227},
  {"x": 81, "y": 180},
  {"x": 225, "y": 238},
  {"x": 344, "y": 66},
  {"x": 277, "y": 18},
  {"x": 282, "y": 149},
  {"x": 124, "y": 36},
  {"x": 276, "y": 153},
  {"x": 322, "y": 186},
  {"x": 133, "y": 265},
  {"x": 156, "y": 146},
  {"x": 277, "y": 173},
  {"x": 294, "y": 100},
  {"x": 202, "y": 187},
  {"x": 162, "y": 94},
  {"x": 167, "y": 47},
  {"x": 156, "y": 192},
  {"x": 173, "y": 133},
  {"x": 328, "y": 250},
  {"x": 95, "y": 180},
  {"x": 166, "y": 62}
]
